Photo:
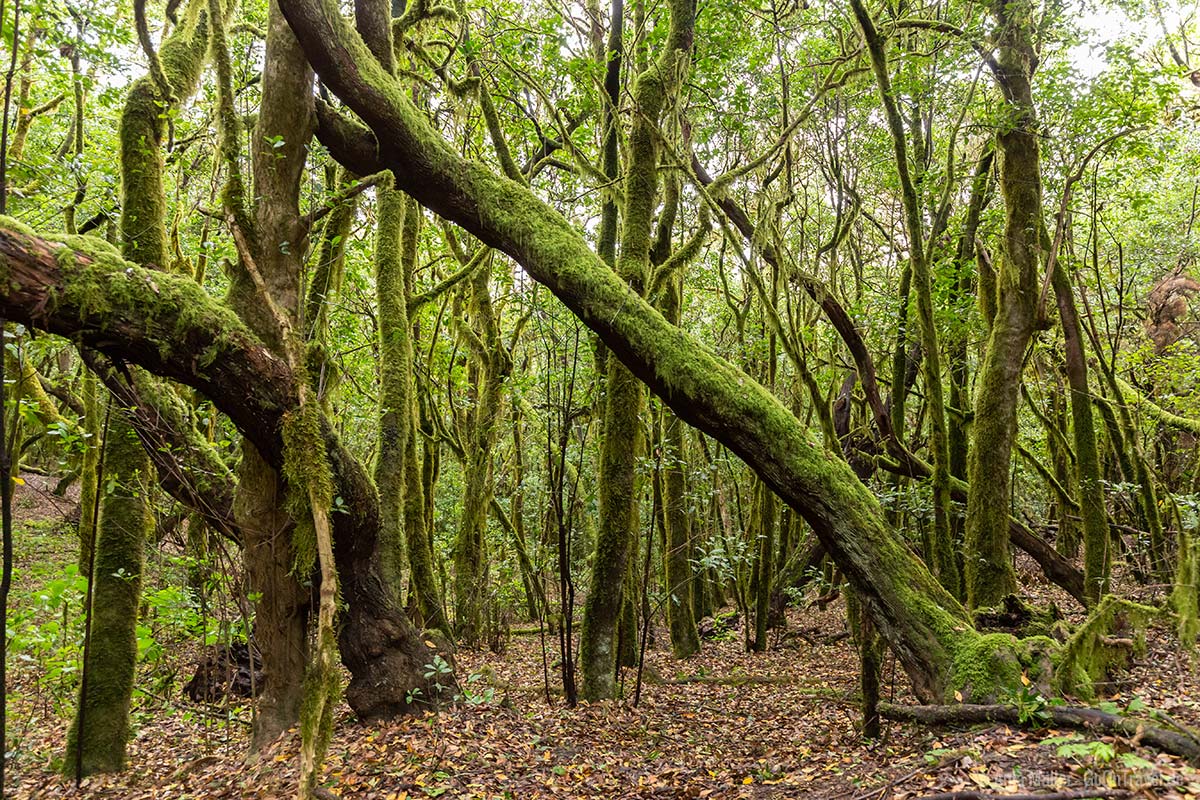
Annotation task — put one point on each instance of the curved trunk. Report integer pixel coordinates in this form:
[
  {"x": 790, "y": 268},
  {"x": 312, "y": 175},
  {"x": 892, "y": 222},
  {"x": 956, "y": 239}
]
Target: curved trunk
[{"x": 925, "y": 626}]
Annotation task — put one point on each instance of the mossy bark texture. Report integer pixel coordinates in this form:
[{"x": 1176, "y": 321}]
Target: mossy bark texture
[
  {"x": 677, "y": 560},
  {"x": 624, "y": 397},
  {"x": 116, "y": 591},
  {"x": 926, "y": 627},
  {"x": 470, "y": 546},
  {"x": 987, "y": 564},
  {"x": 89, "y": 472},
  {"x": 1096, "y": 557},
  {"x": 395, "y": 383},
  {"x": 283, "y": 607}
]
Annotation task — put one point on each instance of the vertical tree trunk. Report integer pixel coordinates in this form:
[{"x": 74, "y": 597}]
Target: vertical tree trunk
[
  {"x": 945, "y": 563},
  {"x": 677, "y": 560},
  {"x": 395, "y": 383},
  {"x": 989, "y": 574},
  {"x": 470, "y": 547},
  {"x": 624, "y": 395},
  {"x": 88, "y": 487},
  {"x": 1087, "y": 457},
  {"x": 116, "y": 592},
  {"x": 764, "y": 567},
  {"x": 282, "y": 605},
  {"x": 106, "y": 693}
]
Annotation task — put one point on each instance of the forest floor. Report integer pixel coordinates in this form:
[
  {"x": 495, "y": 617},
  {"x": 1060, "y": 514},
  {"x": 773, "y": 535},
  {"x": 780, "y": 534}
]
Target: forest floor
[{"x": 723, "y": 724}]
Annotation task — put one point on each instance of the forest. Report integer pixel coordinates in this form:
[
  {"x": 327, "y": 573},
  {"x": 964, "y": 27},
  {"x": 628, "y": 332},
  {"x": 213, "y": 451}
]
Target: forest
[{"x": 566, "y": 398}]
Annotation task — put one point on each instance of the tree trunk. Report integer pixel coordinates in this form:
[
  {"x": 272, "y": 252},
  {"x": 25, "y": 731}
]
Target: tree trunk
[
  {"x": 283, "y": 605},
  {"x": 1087, "y": 457},
  {"x": 677, "y": 560},
  {"x": 989, "y": 574},
  {"x": 395, "y": 380},
  {"x": 111, "y": 654},
  {"x": 624, "y": 400},
  {"x": 470, "y": 547}
]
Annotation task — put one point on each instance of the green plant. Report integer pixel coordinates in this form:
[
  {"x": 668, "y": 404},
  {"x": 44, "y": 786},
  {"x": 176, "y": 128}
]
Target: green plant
[
  {"x": 1076, "y": 747},
  {"x": 439, "y": 670}
]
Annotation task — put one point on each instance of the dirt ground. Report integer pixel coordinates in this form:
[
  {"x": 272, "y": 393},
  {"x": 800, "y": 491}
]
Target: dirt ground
[{"x": 723, "y": 724}]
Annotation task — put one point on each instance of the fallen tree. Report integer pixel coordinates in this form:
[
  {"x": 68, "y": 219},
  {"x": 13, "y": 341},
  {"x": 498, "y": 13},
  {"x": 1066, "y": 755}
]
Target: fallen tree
[{"x": 1180, "y": 743}]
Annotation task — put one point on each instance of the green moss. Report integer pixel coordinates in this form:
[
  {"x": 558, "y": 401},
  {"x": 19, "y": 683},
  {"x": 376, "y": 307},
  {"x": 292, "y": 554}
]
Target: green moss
[
  {"x": 322, "y": 689},
  {"x": 1016, "y": 616},
  {"x": 1095, "y": 650},
  {"x": 15, "y": 225},
  {"x": 1184, "y": 597},
  {"x": 395, "y": 378},
  {"x": 309, "y": 479},
  {"x": 117, "y": 581},
  {"x": 104, "y": 287}
]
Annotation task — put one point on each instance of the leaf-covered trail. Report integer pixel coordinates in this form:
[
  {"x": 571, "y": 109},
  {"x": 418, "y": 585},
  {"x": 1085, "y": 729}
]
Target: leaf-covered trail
[
  {"x": 724, "y": 724},
  {"x": 794, "y": 736}
]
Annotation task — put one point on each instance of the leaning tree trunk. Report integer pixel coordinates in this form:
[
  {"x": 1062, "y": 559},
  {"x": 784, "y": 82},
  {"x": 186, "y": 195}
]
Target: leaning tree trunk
[{"x": 926, "y": 627}]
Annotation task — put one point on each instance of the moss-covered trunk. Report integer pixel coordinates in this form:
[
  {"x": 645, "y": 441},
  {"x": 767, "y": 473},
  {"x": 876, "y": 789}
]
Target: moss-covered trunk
[
  {"x": 418, "y": 487},
  {"x": 419, "y": 474},
  {"x": 283, "y": 605},
  {"x": 989, "y": 574},
  {"x": 470, "y": 546},
  {"x": 615, "y": 533},
  {"x": 88, "y": 472},
  {"x": 100, "y": 731},
  {"x": 927, "y": 628},
  {"x": 395, "y": 382},
  {"x": 677, "y": 560},
  {"x": 624, "y": 397},
  {"x": 1087, "y": 457}
]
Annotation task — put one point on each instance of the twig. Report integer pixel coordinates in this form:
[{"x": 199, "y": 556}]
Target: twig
[
  {"x": 1073, "y": 794},
  {"x": 1077, "y": 717}
]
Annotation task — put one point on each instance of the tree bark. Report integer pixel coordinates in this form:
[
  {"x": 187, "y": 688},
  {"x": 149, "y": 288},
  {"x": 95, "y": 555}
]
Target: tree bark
[
  {"x": 989, "y": 574},
  {"x": 923, "y": 623}
]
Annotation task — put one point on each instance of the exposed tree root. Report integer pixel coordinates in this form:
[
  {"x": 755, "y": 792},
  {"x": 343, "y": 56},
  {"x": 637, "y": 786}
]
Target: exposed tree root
[{"x": 1078, "y": 717}]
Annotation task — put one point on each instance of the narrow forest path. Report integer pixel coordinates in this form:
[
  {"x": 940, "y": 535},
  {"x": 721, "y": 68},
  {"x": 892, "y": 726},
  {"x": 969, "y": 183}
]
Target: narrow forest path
[{"x": 723, "y": 724}]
